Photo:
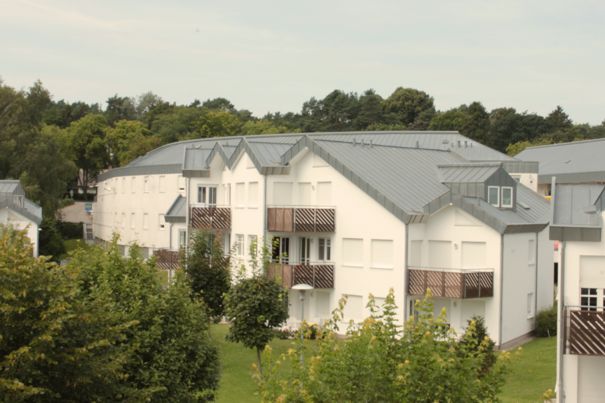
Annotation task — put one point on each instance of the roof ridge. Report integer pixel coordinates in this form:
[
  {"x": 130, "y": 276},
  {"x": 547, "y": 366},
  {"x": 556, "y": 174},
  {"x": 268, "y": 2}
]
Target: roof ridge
[
  {"x": 368, "y": 145},
  {"x": 565, "y": 143}
]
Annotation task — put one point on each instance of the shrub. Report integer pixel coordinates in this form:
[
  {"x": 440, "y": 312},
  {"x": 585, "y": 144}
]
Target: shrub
[
  {"x": 70, "y": 230},
  {"x": 546, "y": 322}
]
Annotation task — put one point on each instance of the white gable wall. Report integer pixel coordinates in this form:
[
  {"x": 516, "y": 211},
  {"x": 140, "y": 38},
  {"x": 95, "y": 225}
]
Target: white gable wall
[{"x": 9, "y": 217}]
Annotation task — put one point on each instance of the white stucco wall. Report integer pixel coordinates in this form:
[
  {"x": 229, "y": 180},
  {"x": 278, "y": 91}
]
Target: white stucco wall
[
  {"x": 583, "y": 374},
  {"x": 457, "y": 227},
  {"x": 13, "y": 219}
]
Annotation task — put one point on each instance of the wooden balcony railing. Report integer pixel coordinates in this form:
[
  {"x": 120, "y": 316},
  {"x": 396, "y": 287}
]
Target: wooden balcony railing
[
  {"x": 167, "y": 259},
  {"x": 301, "y": 219},
  {"x": 451, "y": 283},
  {"x": 211, "y": 218},
  {"x": 318, "y": 275},
  {"x": 584, "y": 332}
]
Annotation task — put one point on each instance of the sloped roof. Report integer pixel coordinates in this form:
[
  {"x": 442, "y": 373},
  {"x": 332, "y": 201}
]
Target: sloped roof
[
  {"x": 576, "y": 213},
  {"x": 177, "y": 211},
  {"x": 403, "y": 171},
  {"x": 574, "y": 162},
  {"x": 12, "y": 196},
  {"x": 467, "y": 173}
]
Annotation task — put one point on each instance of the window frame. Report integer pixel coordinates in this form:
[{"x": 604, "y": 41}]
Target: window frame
[
  {"x": 502, "y": 189},
  {"x": 324, "y": 249},
  {"x": 489, "y": 188}
]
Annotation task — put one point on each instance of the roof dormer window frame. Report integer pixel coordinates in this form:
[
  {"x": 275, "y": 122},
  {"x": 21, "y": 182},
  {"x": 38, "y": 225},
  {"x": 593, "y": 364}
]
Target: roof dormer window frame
[
  {"x": 510, "y": 204},
  {"x": 495, "y": 203}
]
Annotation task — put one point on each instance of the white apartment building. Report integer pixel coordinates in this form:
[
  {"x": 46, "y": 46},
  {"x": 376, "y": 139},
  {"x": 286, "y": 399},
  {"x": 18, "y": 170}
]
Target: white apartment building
[
  {"x": 352, "y": 214},
  {"x": 19, "y": 212},
  {"x": 577, "y": 223}
]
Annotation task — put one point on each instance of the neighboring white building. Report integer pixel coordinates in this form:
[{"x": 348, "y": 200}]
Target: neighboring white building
[
  {"x": 577, "y": 223},
  {"x": 19, "y": 212},
  {"x": 352, "y": 214}
]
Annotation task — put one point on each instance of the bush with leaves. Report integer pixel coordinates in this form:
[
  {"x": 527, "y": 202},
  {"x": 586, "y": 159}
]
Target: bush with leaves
[
  {"x": 208, "y": 272},
  {"x": 546, "y": 322},
  {"x": 379, "y": 361},
  {"x": 56, "y": 342},
  {"x": 170, "y": 354}
]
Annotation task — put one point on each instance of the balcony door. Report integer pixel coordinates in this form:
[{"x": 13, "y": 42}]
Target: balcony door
[
  {"x": 280, "y": 251},
  {"x": 305, "y": 250},
  {"x": 206, "y": 195}
]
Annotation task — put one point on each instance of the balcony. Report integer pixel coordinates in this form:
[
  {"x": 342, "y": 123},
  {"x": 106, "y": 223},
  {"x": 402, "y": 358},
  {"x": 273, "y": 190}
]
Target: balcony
[
  {"x": 167, "y": 259},
  {"x": 451, "y": 283},
  {"x": 211, "y": 218},
  {"x": 301, "y": 219},
  {"x": 584, "y": 332},
  {"x": 318, "y": 275}
]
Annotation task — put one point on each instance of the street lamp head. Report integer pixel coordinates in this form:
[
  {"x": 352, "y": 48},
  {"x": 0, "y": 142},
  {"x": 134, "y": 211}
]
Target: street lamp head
[{"x": 302, "y": 287}]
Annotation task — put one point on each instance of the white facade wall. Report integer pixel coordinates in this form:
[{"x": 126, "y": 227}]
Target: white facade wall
[
  {"x": 444, "y": 238},
  {"x": 133, "y": 207},
  {"x": 11, "y": 218},
  {"x": 368, "y": 247},
  {"x": 584, "y": 266}
]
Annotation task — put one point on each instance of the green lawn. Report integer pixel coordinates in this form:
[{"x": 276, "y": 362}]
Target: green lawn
[{"x": 532, "y": 370}]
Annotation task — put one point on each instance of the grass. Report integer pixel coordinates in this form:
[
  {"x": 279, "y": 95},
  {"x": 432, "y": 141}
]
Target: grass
[
  {"x": 532, "y": 370},
  {"x": 236, "y": 383}
]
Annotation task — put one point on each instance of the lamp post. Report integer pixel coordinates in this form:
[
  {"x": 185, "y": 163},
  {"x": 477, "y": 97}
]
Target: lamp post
[{"x": 302, "y": 288}]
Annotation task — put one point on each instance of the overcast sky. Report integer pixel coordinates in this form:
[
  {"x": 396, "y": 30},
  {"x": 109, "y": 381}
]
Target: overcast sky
[{"x": 273, "y": 55}]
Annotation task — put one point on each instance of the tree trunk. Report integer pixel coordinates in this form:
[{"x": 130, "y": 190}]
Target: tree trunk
[{"x": 258, "y": 358}]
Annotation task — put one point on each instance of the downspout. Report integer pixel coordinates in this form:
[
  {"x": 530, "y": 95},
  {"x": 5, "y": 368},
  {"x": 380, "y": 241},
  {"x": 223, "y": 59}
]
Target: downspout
[
  {"x": 187, "y": 223},
  {"x": 264, "y": 207},
  {"x": 170, "y": 237},
  {"x": 561, "y": 327},
  {"x": 536, "y": 281},
  {"x": 406, "y": 276},
  {"x": 501, "y": 289}
]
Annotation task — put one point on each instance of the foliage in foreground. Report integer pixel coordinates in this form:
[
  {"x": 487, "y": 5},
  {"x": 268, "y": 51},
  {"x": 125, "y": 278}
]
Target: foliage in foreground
[
  {"x": 101, "y": 328},
  {"x": 208, "y": 272},
  {"x": 379, "y": 362},
  {"x": 255, "y": 305},
  {"x": 546, "y": 322}
]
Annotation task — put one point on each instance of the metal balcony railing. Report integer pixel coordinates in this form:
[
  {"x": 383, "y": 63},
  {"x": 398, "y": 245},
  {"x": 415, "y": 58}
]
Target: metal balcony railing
[
  {"x": 301, "y": 219},
  {"x": 210, "y": 217},
  {"x": 584, "y": 331},
  {"x": 316, "y": 274},
  {"x": 451, "y": 283}
]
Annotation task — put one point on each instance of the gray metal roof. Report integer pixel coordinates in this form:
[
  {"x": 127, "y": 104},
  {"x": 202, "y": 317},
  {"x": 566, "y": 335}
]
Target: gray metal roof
[
  {"x": 575, "y": 162},
  {"x": 576, "y": 213},
  {"x": 12, "y": 196},
  {"x": 177, "y": 211},
  {"x": 467, "y": 173},
  {"x": 403, "y": 171}
]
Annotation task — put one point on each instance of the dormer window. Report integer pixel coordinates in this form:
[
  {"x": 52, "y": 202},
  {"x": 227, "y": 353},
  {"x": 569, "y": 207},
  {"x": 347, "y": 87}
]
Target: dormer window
[
  {"x": 493, "y": 195},
  {"x": 507, "y": 197}
]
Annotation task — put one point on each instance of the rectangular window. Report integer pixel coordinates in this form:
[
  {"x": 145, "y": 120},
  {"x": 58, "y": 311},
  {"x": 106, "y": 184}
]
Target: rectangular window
[
  {"x": 305, "y": 250},
  {"x": 280, "y": 249},
  {"x": 507, "y": 196},
  {"x": 381, "y": 254},
  {"x": 146, "y": 184},
  {"x": 324, "y": 253},
  {"x": 253, "y": 244},
  {"x": 493, "y": 195},
  {"x": 530, "y": 305},
  {"x": 132, "y": 220},
  {"x": 212, "y": 196},
  {"x": 352, "y": 252},
  {"x": 145, "y": 221},
  {"x": 238, "y": 246},
  {"x": 123, "y": 220},
  {"x": 588, "y": 299},
  {"x": 182, "y": 238},
  {"x": 161, "y": 221},
  {"x": 201, "y": 194},
  {"x": 133, "y": 184}
]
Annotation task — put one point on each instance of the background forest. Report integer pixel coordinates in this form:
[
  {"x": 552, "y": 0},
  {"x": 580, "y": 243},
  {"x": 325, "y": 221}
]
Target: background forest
[{"x": 57, "y": 148}]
